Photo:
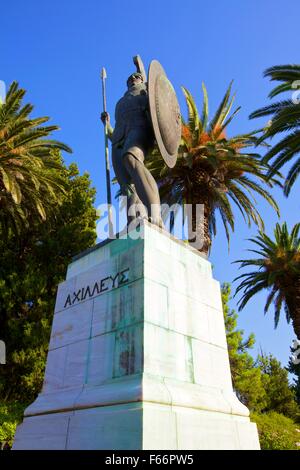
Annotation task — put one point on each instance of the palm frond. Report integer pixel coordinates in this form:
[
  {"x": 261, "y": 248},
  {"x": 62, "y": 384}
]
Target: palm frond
[
  {"x": 285, "y": 118},
  {"x": 278, "y": 271},
  {"x": 222, "y": 109},
  {"x": 28, "y": 185}
]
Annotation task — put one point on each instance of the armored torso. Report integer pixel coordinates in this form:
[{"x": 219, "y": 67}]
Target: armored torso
[{"x": 132, "y": 112}]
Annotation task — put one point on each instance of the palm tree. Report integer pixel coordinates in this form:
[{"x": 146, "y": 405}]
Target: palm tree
[
  {"x": 285, "y": 118},
  {"x": 278, "y": 271},
  {"x": 211, "y": 170},
  {"x": 28, "y": 184}
]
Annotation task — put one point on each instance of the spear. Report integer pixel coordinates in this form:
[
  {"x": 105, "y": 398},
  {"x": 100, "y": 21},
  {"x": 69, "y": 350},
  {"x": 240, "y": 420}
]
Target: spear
[{"x": 108, "y": 190}]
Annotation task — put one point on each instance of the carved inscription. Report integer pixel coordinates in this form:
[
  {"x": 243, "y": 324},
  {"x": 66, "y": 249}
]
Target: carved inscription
[{"x": 98, "y": 287}]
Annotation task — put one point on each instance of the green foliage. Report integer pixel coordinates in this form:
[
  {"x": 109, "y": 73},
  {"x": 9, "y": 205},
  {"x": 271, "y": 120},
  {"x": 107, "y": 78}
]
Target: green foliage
[
  {"x": 246, "y": 376},
  {"x": 214, "y": 170},
  {"x": 27, "y": 182},
  {"x": 280, "y": 396},
  {"x": 262, "y": 385},
  {"x": 31, "y": 267},
  {"x": 277, "y": 270},
  {"x": 295, "y": 369},
  {"x": 10, "y": 416},
  {"x": 47, "y": 216},
  {"x": 276, "y": 432},
  {"x": 285, "y": 118}
]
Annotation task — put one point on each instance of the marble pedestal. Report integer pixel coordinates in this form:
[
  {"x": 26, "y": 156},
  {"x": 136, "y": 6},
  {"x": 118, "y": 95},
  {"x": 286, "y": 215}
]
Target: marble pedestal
[{"x": 138, "y": 356}]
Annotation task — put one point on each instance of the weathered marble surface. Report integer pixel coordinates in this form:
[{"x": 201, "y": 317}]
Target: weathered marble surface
[{"x": 140, "y": 361}]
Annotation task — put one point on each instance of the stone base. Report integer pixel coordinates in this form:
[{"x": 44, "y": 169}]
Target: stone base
[
  {"x": 138, "y": 356},
  {"x": 135, "y": 426}
]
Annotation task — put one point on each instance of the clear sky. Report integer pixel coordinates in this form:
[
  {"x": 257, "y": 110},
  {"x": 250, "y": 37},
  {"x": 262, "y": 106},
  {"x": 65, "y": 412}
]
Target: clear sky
[{"x": 56, "y": 51}]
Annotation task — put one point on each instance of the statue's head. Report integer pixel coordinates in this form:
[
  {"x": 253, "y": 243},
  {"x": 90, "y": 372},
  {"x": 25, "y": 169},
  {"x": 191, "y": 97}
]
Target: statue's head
[{"x": 135, "y": 79}]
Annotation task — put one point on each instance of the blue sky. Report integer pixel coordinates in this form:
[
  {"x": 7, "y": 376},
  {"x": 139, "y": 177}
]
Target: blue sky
[{"x": 56, "y": 51}]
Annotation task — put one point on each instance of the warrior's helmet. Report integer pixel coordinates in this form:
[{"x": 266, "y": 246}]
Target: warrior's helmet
[{"x": 135, "y": 75}]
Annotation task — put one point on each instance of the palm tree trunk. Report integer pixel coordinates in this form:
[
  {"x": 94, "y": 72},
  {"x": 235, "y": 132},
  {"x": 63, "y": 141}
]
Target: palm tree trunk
[
  {"x": 293, "y": 303},
  {"x": 198, "y": 227}
]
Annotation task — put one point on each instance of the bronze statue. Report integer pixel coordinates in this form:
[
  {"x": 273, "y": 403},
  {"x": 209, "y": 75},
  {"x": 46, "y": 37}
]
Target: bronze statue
[{"x": 134, "y": 135}]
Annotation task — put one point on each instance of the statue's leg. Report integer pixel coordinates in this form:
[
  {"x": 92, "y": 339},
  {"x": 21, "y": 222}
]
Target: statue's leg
[
  {"x": 134, "y": 204},
  {"x": 135, "y": 207},
  {"x": 145, "y": 186}
]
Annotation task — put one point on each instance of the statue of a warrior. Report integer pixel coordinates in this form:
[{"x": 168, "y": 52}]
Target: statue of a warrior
[{"x": 132, "y": 139}]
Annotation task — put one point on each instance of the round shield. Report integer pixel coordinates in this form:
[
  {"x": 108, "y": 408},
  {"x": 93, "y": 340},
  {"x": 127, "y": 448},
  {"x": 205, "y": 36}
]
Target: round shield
[{"x": 165, "y": 113}]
